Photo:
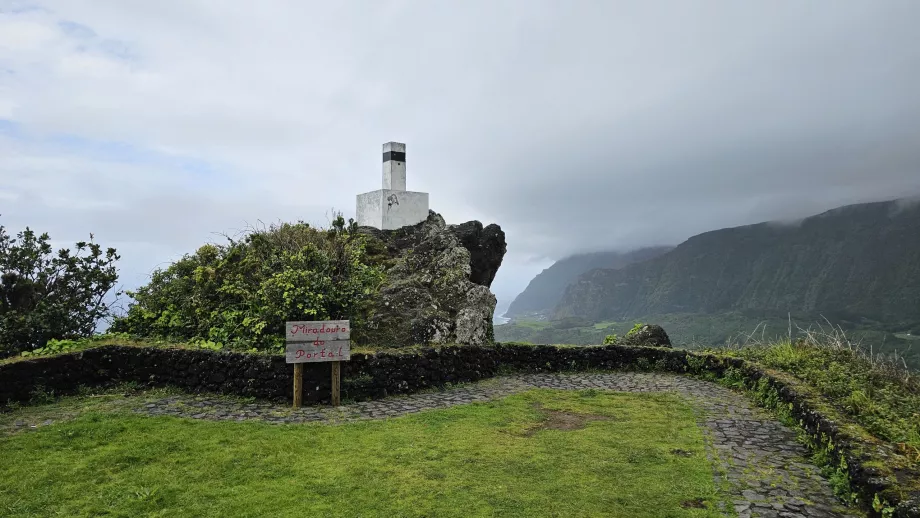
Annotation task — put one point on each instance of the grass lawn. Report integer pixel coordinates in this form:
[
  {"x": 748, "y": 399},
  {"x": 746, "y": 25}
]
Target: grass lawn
[{"x": 539, "y": 453}]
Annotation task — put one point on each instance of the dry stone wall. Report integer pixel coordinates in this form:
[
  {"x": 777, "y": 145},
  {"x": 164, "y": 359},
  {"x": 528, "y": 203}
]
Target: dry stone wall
[{"x": 269, "y": 377}]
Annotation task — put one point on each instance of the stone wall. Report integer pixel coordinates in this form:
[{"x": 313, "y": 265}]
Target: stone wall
[{"x": 269, "y": 377}]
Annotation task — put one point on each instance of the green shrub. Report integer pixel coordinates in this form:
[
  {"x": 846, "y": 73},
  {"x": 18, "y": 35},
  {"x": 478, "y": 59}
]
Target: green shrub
[
  {"x": 239, "y": 295},
  {"x": 68, "y": 346}
]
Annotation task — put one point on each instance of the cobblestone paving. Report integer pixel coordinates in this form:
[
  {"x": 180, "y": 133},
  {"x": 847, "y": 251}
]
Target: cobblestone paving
[{"x": 758, "y": 460}]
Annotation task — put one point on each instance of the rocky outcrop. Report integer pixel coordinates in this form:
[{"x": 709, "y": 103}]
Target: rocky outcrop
[
  {"x": 437, "y": 288},
  {"x": 649, "y": 335},
  {"x": 486, "y": 246}
]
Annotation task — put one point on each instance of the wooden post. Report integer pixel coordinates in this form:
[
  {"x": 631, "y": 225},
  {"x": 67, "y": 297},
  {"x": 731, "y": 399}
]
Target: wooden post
[
  {"x": 298, "y": 384},
  {"x": 336, "y": 383}
]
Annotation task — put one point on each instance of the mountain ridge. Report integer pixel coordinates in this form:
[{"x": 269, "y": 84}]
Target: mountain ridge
[
  {"x": 829, "y": 263},
  {"x": 544, "y": 291}
]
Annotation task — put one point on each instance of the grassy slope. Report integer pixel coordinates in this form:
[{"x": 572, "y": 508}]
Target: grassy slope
[
  {"x": 883, "y": 399},
  {"x": 474, "y": 460}
]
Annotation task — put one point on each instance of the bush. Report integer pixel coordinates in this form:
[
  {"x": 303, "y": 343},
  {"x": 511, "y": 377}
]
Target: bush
[
  {"x": 240, "y": 294},
  {"x": 68, "y": 346},
  {"x": 46, "y": 297}
]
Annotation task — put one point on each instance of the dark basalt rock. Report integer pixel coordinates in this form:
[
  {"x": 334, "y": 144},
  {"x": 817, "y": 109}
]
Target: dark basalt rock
[
  {"x": 486, "y": 245},
  {"x": 487, "y": 248},
  {"x": 649, "y": 335}
]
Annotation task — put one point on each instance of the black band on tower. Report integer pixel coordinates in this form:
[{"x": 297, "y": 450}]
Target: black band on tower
[{"x": 399, "y": 156}]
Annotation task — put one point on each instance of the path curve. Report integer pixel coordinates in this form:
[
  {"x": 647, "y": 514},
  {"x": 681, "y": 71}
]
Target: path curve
[{"x": 764, "y": 468}]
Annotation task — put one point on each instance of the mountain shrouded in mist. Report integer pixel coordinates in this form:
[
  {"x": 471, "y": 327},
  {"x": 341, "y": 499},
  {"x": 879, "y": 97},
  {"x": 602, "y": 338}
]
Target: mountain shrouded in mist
[
  {"x": 854, "y": 262},
  {"x": 546, "y": 289}
]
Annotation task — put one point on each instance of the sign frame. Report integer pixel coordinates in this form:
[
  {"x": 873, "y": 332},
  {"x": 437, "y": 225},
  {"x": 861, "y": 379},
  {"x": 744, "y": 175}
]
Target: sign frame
[{"x": 315, "y": 342}]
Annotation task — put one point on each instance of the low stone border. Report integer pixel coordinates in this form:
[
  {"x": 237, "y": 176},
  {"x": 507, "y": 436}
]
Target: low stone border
[{"x": 882, "y": 481}]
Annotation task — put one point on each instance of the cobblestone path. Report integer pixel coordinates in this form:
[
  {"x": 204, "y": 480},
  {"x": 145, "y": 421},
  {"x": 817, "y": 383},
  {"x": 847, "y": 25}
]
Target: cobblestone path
[{"x": 759, "y": 462}]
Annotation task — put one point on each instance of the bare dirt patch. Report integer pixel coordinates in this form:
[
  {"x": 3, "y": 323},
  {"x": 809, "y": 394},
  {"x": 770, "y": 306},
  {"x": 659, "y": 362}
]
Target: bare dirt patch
[
  {"x": 560, "y": 420},
  {"x": 696, "y": 503}
]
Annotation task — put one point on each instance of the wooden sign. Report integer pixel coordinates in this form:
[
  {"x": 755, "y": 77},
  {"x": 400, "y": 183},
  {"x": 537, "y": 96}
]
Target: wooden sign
[
  {"x": 325, "y": 330},
  {"x": 318, "y": 351},
  {"x": 323, "y": 341}
]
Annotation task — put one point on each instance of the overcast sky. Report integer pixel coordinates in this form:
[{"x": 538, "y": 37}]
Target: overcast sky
[{"x": 575, "y": 125}]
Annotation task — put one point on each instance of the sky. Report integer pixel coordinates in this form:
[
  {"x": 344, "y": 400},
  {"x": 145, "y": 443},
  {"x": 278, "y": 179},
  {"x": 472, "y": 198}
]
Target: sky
[{"x": 577, "y": 126}]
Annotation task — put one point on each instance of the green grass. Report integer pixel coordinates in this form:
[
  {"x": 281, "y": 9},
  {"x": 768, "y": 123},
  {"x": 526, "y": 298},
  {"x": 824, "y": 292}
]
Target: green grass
[
  {"x": 487, "y": 459},
  {"x": 877, "y": 394},
  {"x": 534, "y": 324}
]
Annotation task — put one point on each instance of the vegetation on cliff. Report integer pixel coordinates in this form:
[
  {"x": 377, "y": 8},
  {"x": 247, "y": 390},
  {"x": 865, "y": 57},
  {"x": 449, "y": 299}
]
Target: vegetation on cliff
[
  {"x": 852, "y": 263},
  {"x": 399, "y": 288}
]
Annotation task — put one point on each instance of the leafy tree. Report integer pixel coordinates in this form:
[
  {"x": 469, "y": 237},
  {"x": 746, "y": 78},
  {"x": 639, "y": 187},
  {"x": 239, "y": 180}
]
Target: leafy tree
[
  {"x": 241, "y": 293},
  {"x": 44, "y": 296},
  {"x": 611, "y": 339}
]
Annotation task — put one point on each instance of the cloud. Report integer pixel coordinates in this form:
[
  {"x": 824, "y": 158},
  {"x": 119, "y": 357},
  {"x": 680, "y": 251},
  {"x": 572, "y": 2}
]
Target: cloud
[{"x": 581, "y": 127}]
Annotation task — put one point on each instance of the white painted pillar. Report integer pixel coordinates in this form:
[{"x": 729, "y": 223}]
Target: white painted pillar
[{"x": 394, "y": 166}]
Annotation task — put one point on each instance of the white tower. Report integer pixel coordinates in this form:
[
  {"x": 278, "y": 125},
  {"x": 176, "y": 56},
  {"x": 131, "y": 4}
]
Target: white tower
[{"x": 392, "y": 206}]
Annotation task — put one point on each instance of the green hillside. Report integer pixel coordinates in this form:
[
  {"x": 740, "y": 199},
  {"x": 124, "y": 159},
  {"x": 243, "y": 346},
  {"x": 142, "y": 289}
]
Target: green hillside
[{"x": 858, "y": 264}]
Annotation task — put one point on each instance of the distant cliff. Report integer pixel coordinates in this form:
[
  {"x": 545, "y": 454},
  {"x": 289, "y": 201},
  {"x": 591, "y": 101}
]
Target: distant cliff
[
  {"x": 855, "y": 262},
  {"x": 546, "y": 289}
]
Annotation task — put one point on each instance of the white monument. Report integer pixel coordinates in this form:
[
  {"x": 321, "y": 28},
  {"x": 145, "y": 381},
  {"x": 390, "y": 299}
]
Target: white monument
[{"x": 393, "y": 206}]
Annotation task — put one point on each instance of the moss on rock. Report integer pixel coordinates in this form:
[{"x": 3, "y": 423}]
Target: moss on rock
[{"x": 431, "y": 294}]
